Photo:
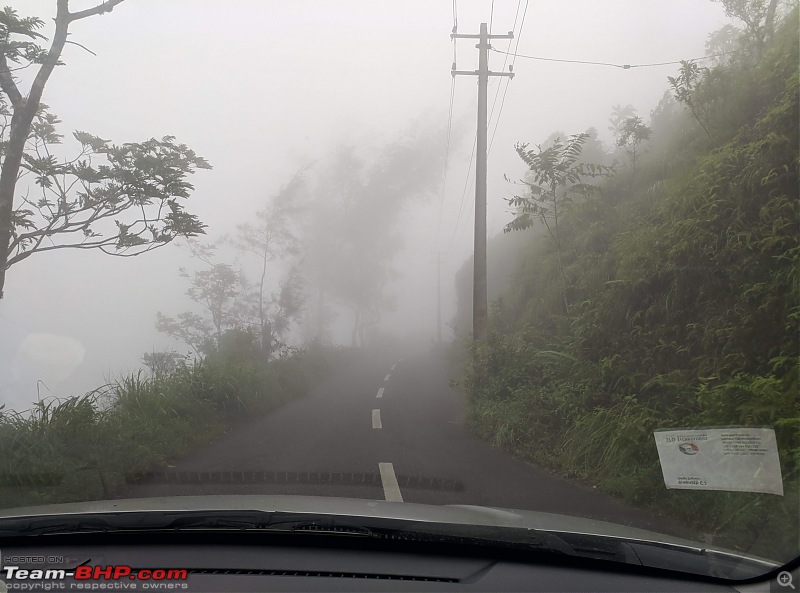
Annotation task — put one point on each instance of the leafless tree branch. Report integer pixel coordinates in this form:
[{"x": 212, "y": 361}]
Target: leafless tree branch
[{"x": 106, "y": 6}]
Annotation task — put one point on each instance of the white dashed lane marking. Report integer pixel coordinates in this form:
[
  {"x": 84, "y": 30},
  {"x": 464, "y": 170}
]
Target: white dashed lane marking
[
  {"x": 394, "y": 365},
  {"x": 380, "y": 392},
  {"x": 386, "y": 378},
  {"x": 376, "y": 419},
  {"x": 391, "y": 489}
]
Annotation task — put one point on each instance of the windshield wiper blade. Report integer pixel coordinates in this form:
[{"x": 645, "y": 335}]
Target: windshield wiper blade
[
  {"x": 149, "y": 521},
  {"x": 669, "y": 556},
  {"x": 522, "y": 539},
  {"x": 286, "y": 522},
  {"x": 85, "y": 523},
  {"x": 269, "y": 521},
  {"x": 511, "y": 538}
]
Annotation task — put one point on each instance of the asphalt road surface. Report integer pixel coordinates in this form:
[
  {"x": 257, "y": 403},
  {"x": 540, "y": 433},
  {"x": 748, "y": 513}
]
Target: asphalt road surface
[{"x": 390, "y": 427}]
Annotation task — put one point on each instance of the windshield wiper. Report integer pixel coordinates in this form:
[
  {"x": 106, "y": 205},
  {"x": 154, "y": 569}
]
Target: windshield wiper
[
  {"x": 150, "y": 521},
  {"x": 521, "y": 539},
  {"x": 670, "y": 556},
  {"x": 273, "y": 521}
]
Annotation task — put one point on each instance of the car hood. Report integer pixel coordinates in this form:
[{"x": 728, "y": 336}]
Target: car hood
[{"x": 351, "y": 507}]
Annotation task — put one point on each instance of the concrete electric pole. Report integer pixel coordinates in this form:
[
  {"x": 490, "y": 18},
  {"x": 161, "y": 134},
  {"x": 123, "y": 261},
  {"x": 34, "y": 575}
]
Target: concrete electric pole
[{"x": 479, "y": 288}]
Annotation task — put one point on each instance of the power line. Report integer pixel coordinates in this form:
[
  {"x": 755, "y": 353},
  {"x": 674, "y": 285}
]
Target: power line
[
  {"x": 463, "y": 195},
  {"x": 449, "y": 125},
  {"x": 505, "y": 60},
  {"x": 622, "y": 66},
  {"x": 457, "y": 226},
  {"x": 446, "y": 157},
  {"x": 513, "y": 61},
  {"x": 491, "y": 18},
  {"x": 497, "y": 121},
  {"x": 519, "y": 34}
]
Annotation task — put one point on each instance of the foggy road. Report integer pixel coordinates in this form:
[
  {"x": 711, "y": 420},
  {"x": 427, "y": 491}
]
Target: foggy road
[{"x": 387, "y": 427}]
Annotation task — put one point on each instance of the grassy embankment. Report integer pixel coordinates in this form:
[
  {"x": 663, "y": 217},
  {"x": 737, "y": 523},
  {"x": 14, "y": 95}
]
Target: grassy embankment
[
  {"x": 683, "y": 311},
  {"x": 82, "y": 448}
]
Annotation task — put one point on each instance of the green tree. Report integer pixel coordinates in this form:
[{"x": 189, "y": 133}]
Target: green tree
[
  {"x": 122, "y": 200},
  {"x": 758, "y": 17},
  {"x": 190, "y": 328},
  {"x": 619, "y": 113},
  {"x": 555, "y": 175},
  {"x": 685, "y": 88},
  {"x": 161, "y": 363},
  {"x": 218, "y": 288},
  {"x": 725, "y": 44},
  {"x": 664, "y": 117},
  {"x": 287, "y": 306},
  {"x": 632, "y": 134},
  {"x": 593, "y": 150}
]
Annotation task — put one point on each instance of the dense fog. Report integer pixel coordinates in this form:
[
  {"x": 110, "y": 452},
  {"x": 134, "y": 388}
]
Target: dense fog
[{"x": 332, "y": 196}]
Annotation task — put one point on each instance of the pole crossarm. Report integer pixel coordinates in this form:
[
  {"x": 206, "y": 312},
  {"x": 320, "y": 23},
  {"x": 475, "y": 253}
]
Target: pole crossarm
[
  {"x": 477, "y": 73},
  {"x": 509, "y": 35}
]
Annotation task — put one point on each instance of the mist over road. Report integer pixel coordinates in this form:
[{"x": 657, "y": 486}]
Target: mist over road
[{"x": 390, "y": 427}]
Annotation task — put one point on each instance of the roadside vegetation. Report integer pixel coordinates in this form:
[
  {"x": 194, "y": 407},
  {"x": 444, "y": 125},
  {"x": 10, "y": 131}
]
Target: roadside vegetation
[
  {"x": 666, "y": 294},
  {"x": 318, "y": 248},
  {"x": 84, "y": 448}
]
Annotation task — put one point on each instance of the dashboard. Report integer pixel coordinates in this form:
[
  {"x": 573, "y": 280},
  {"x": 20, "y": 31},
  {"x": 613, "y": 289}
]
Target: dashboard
[{"x": 233, "y": 562}]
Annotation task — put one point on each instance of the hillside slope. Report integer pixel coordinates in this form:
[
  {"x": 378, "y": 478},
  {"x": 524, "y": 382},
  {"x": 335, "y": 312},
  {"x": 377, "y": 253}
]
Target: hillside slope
[{"x": 682, "y": 283}]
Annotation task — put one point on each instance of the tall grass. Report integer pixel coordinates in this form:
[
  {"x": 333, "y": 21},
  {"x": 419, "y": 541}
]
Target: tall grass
[
  {"x": 686, "y": 315},
  {"x": 82, "y": 447}
]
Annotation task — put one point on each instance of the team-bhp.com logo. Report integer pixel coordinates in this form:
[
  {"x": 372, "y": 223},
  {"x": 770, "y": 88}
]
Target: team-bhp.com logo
[{"x": 118, "y": 572}]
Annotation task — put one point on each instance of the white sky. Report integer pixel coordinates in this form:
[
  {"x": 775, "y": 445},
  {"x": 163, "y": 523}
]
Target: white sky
[{"x": 259, "y": 87}]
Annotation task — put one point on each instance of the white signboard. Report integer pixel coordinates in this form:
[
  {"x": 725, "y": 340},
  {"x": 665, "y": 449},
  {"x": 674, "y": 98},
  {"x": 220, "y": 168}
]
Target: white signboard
[{"x": 738, "y": 459}]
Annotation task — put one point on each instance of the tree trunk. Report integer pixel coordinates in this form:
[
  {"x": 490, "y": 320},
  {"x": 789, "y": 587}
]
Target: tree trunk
[
  {"x": 266, "y": 341},
  {"x": 20, "y": 128},
  {"x": 769, "y": 21},
  {"x": 561, "y": 271},
  {"x": 262, "y": 315},
  {"x": 24, "y": 110}
]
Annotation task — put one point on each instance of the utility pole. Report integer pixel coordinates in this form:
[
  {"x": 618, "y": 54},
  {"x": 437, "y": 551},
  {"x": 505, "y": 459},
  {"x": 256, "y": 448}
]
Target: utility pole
[{"x": 480, "y": 299}]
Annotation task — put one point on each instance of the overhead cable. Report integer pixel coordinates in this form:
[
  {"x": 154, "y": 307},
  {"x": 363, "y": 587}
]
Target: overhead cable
[
  {"x": 591, "y": 63},
  {"x": 446, "y": 156},
  {"x": 513, "y": 61}
]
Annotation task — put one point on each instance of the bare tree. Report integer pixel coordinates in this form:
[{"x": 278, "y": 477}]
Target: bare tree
[{"x": 270, "y": 239}]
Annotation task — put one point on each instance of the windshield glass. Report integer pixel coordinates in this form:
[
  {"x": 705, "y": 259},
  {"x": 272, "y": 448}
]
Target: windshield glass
[{"x": 528, "y": 255}]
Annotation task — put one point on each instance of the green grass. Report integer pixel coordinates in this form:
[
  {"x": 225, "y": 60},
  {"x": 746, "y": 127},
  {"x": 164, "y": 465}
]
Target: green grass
[
  {"x": 686, "y": 313},
  {"x": 82, "y": 447},
  {"x": 613, "y": 449}
]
